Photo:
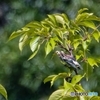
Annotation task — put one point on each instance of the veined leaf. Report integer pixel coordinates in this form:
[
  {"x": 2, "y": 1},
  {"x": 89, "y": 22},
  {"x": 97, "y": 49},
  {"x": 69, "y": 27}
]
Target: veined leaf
[
  {"x": 3, "y": 91},
  {"x": 34, "y": 43}
]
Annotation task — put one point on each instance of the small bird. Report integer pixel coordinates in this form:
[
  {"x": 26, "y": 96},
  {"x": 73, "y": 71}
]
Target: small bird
[{"x": 69, "y": 60}]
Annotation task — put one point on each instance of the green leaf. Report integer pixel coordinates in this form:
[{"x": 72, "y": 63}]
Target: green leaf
[
  {"x": 96, "y": 35},
  {"x": 60, "y": 75},
  {"x": 23, "y": 41},
  {"x": 48, "y": 47},
  {"x": 34, "y": 24},
  {"x": 15, "y": 34},
  {"x": 57, "y": 95},
  {"x": 52, "y": 42},
  {"x": 92, "y": 62},
  {"x": 52, "y": 19},
  {"x": 76, "y": 79},
  {"x": 49, "y": 78},
  {"x": 68, "y": 86},
  {"x": 82, "y": 10},
  {"x": 95, "y": 98},
  {"x": 34, "y": 53},
  {"x": 76, "y": 43},
  {"x": 85, "y": 45},
  {"x": 88, "y": 70},
  {"x": 79, "y": 88},
  {"x": 34, "y": 43},
  {"x": 3, "y": 91},
  {"x": 89, "y": 24},
  {"x": 59, "y": 19}
]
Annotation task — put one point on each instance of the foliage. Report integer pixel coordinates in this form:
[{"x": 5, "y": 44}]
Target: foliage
[
  {"x": 57, "y": 31},
  {"x": 3, "y": 91}
]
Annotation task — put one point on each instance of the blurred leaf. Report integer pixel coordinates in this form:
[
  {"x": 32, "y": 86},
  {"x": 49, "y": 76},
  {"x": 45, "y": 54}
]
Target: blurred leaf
[
  {"x": 68, "y": 86},
  {"x": 15, "y": 34},
  {"x": 3, "y": 91},
  {"x": 52, "y": 19},
  {"x": 57, "y": 95},
  {"x": 85, "y": 45},
  {"x": 49, "y": 78},
  {"x": 52, "y": 42},
  {"x": 96, "y": 35},
  {"x": 48, "y": 47},
  {"x": 23, "y": 41},
  {"x": 34, "y": 53},
  {"x": 82, "y": 10},
  {"x": 76, "y": 43},
  {"x": 88, "y": 24},
  {"x": 34, "y": 43},
  {"x": 59, "y": 19},
  {"x": 76, "y": 79},
  {"x": 92, "y": 62},
  {"x": 95, "y": 98},
  {"x": 60, "y": 75},
  {"x": 79, "y": 88}
]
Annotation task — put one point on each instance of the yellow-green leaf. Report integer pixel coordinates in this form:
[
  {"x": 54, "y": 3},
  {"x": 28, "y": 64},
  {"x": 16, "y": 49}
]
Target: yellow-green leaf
[
  {"x": 34, "y": 43},
  {"x": 96, "y": 35},
  {"x": 57, "y": 95},
  {"x": 3, "y": 91},
  {"x": 92, "y": 62},
  {"x": 48, "y": 47},
  {"x": 23, "y": 41}
]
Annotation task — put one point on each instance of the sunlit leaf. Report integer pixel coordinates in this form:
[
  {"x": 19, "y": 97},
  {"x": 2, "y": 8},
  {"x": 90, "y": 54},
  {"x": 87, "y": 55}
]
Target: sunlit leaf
[
  {"x": 48, "y": 47},
  {"x": 53, "y": 43},
  {"x": 92, "y": 62},
  {"x": 76, "y": 79},
  {"x": 15, "y": 34},
  {"x": 23, "y": 41},
  {"x": 49, "y": 78},
  {"x": 34, "y": 53},
  {"x": 34, "y": 43},
  {"x": 60, "y": 75},
  {"x": 96, "y": 35},
  {"x": 52, "y": 19},
  {"x": 79, "y": 88},
  {"x": 57, "y": 95},
  {"x": 3, "y": 91},
  {"x": 85, "y": 45},
  {"x": 89, "y": 24},
  {"x": 59, "y": 19},
  {"x": 82, "y": 10}
]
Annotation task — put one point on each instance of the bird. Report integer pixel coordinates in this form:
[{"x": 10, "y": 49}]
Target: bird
[{"x": 69, "y": 60}]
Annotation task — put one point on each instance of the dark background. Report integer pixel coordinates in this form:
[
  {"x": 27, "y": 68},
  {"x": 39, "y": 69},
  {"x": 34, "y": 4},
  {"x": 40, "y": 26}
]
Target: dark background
[{"x": 23, "y": 79}]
